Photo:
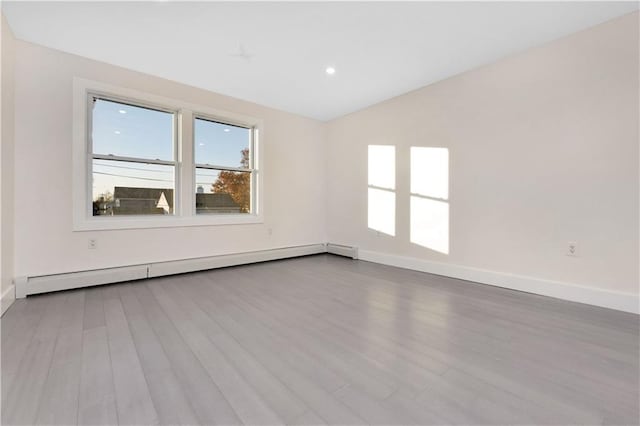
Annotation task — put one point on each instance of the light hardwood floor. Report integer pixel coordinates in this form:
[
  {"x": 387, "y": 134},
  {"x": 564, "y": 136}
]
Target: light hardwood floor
[{"x": 315, "y": 340}]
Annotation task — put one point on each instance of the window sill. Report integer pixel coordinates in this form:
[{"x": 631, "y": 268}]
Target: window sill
[{"x": 132, "y": 222}]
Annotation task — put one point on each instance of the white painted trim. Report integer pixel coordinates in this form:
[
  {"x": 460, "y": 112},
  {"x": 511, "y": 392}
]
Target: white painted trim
[
  {"x": 7, "y": 298},
  {"x": 21, "y": 287},
  {"x": 626, "y": 302},
  {"x": 203, "y": 263},
  {"x": 65, "y": 281},
  {"x": 165, "y": 221},
  {"x": 48, "y": 283},
  {"x": 341, "y": 250},
  {"x": 185, "y": 214}
]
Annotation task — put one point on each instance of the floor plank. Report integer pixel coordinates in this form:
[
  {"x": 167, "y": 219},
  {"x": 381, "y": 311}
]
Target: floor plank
[
  {"x": 277, "y": 396},
  {"x": 167, "y": 394},
  {"x": 97, "y": 402},
  {"x": 23, "y": 397},
  {"x": 316, "y": 340},
  {"x": 208, "y": 402},
  {"x": 244, "y": 399},
  {"x": 59, "y": 402},
  {"x": 133, "y": 399}
]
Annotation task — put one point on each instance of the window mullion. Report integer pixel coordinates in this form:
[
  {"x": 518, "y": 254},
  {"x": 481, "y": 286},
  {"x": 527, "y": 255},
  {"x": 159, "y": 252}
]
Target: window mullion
[{"x": 186, "y": 160}]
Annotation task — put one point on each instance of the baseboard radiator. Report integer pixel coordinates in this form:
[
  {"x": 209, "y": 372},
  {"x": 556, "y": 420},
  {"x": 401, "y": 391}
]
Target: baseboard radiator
[
  {"x": 341, "y": 250},
  {"x": 47, "y": 283},
  {"x": 593, "y": 296}
]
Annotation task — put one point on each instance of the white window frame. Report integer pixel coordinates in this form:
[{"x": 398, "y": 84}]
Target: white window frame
[
  {"x": 252, "y": 163},
  {"x": 91, "y": 95},
  {"x": 184, "y": 193}
]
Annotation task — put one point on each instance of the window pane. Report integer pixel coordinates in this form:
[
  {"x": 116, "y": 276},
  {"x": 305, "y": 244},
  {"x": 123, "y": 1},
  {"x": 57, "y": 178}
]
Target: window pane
[
  {"x": 430, "y": 172},
  {"x": 219, "y": 144},
  {"x": 131, "y": 131},
  {"x": 123, "y": 188},
  {"x": 222, "y": 191},
  {"x": 382, "y": 166},
  {"x": 430, "y": 224},
  {"x": 382, "y": 211}
]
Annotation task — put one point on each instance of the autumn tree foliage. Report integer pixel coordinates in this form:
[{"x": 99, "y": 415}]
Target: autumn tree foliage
[{"x": 236, "y": 184}]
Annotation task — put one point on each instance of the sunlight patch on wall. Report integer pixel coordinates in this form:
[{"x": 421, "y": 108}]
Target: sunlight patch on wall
[
  {"x": 430, "y": 172},
  {"x": 382, "y": 211},
  {"x": 382, "y": 166},
  {"x": 430, "y": 198},
  {"x": 382, "y": 185},
  {"x": 430, "y": 224}
]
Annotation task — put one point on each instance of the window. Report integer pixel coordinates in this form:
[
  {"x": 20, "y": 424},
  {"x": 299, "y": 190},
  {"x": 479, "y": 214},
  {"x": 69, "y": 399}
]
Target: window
[
  {"x": 145, "y": 161},
  {"x": 382, "y": 185},
  {"x": 430, "y": 198},
  {"x": 224, "y": 167},
  {"x": 132, "y": 158}
]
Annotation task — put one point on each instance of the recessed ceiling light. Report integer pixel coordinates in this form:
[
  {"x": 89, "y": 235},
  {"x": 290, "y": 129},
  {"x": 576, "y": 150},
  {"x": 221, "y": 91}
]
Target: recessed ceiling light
[
  {"x": 122, "y": 111},
  {"x": 117, "y": 132},
  {"x": 227, "y": 130},
  {"x": 201, "y": 144},
  {"x": 330, "y": 70}
]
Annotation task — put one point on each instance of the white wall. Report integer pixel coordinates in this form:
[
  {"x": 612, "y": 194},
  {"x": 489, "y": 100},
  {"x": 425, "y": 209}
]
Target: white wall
[
  {"x": 543, "y": 150},
  {"x": 294, "y": 167},
  {"x": 6, "y": 166}
]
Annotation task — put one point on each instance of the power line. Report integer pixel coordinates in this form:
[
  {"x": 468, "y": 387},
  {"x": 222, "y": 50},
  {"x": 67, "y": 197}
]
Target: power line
[
  {"x": 141, "y": 178},
  {"x": 134, "y": 168},
  {"x": 155, "y": 171},
  {"x": 150, "y": 171},
  {"x": 134, "y": 177}
]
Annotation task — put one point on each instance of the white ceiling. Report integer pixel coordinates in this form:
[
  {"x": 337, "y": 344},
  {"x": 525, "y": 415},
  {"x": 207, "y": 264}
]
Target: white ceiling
[{"x": 379, "y": 49}]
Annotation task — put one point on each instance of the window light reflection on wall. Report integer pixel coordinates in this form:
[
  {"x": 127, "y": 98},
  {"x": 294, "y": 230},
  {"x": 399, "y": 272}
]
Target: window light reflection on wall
[
  {"x": 429, "y": 208},
  {"x": 381, "y": 188}
]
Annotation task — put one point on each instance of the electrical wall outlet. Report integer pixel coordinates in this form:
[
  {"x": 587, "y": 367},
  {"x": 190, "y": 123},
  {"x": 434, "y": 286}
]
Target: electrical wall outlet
[
  {"x": 572, "y": 248},
  {"x": 92, "y": 243}
]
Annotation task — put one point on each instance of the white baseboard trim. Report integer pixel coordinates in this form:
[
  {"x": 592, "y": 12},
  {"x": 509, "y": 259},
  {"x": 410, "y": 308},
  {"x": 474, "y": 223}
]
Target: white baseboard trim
[
  {"x": 213, "y": 262},
  {"x": 626, "y": 302},
  {"x": 48, "y": 283},
  {"x": 341, "y": 250},
  {"x": 7, "y": 298},
  {"x": 24, "y": 286},
  {"x": 66, "y": 281}
]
